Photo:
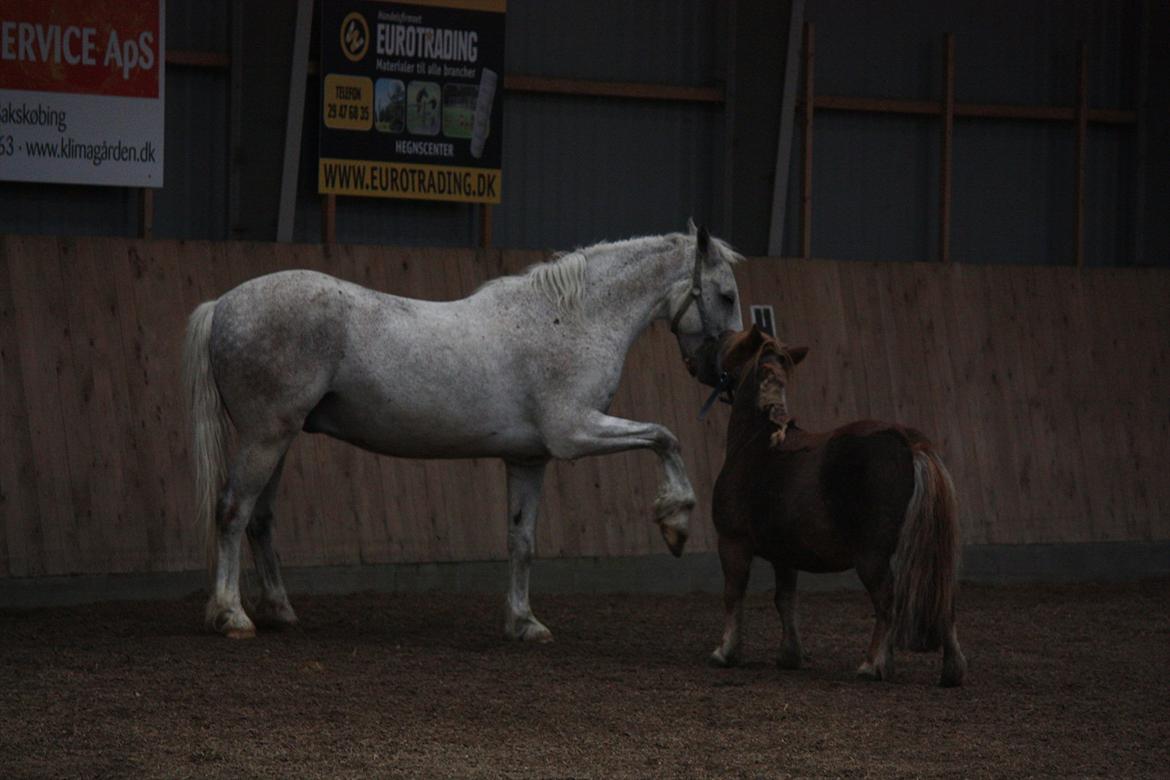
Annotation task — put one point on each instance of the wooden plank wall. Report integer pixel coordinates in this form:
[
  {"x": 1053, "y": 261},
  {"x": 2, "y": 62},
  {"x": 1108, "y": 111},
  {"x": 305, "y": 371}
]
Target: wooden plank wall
[{"x": 1047, "y": 389}]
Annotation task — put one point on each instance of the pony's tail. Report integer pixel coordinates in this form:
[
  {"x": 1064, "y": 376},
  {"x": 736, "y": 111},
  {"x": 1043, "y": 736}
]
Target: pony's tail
[
  {"x": 209, "y": 422},
  {"x": 926, "y": 568}
]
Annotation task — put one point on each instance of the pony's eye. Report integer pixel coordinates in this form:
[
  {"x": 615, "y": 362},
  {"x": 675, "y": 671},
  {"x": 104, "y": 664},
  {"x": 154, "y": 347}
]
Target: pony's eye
[{"x": 729, "y": 298}]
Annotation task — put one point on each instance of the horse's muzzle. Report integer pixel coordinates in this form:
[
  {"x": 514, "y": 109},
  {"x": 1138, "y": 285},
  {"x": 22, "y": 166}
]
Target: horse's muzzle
[{"x": 706, "y": 363}]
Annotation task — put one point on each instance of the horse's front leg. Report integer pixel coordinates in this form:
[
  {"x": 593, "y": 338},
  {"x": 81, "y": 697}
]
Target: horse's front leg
[
  {"x": 600, "y": 434},
  {"x": 524, "y": 486}
]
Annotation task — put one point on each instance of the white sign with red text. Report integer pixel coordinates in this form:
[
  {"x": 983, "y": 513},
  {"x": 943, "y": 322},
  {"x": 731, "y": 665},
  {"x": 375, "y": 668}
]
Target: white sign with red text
[{"x": 82, "y": 91}]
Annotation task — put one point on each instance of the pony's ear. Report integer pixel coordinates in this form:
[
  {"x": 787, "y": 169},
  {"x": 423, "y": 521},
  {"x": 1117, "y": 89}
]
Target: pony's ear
[
  {"x": 797, "y": 354},
  {"x": 742, "y": 348},
  {"x": 691, "y": 229}
]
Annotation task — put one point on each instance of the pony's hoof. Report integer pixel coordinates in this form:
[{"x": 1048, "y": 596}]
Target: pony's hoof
[
  {"x": 789, "y": 660},
  {"x": 953, "y": 674},
  {"x": 720, "y": 661},
  {"x": 274, "y": 614},
  {"x": 528, "y": 630}
]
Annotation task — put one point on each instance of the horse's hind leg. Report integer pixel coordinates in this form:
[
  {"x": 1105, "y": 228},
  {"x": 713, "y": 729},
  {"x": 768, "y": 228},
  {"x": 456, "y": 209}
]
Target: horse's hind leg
[
  {"x": 736, "y": 558},
  {"x": 253, "y": 467},
  {"x": 791, "y": 654},
  {"x": 954, "y": 662},
  {"x": 524, "y": 486},
  {"x": 273, "y": 610},
  {"x": 878, "y": 579}
]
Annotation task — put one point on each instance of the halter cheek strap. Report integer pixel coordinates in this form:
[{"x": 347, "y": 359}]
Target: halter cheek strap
[{"x": 696, "y": 294}]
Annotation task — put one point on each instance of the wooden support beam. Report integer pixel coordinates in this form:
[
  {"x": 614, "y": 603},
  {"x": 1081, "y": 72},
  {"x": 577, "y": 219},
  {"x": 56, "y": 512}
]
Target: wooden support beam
[
  {"x": 784, "y": 134},
  {"x": 948, "y": 136},
  {"x": 294, "y": 121},
  {"x": 145, "y": 213},
  {"x": 485, "y": 226},
  {"x": 806, "y": 181},
  {"x": 1082, "y": 120},
  {"x": 612, "y": 89},
  {"x": 1107, "y": 116},
  {"x": 329, "y": 219}
]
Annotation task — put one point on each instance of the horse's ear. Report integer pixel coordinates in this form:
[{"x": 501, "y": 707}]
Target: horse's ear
[
  {"x": 797, "y": 354},
  {"x": 691, "y": 229},
  {"x": 703, "y": 240}
]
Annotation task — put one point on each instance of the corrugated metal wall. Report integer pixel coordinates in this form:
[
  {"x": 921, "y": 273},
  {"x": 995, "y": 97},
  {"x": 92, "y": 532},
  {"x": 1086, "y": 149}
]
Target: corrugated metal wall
[
  {"x": 876, "y": 177},
  {"x": 581, "y": 169}
]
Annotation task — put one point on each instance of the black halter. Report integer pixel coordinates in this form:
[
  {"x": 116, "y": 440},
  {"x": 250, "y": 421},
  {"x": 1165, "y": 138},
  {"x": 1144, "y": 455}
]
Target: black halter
[{"x": 710, "y": 344}]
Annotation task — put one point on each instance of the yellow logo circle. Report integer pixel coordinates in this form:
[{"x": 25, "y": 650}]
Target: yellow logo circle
[{"x": 355, "y": 36}]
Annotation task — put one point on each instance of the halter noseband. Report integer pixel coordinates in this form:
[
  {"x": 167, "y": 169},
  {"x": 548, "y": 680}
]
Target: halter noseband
[{"x": 695, "y": 296}]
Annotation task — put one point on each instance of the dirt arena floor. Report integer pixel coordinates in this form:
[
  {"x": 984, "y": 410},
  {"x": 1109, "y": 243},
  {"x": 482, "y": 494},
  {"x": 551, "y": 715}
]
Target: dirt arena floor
[{"x": 1064, "y": 681}]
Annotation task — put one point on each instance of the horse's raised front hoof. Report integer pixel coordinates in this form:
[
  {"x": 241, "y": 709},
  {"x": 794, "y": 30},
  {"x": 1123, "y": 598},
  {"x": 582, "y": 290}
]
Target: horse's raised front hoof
[
  {"x": 232, "y": 623},
  {"x": 718, "y": 660},
  {"x": 274, "y": 614},
  {"x": 673, "y": 518},
  {"x": 527, "y": 629}
]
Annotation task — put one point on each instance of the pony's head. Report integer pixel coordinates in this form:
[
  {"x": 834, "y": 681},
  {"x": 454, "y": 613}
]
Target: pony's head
[
  {"x": 705, "y": 308},
  {"x": 760, "y": 367}
]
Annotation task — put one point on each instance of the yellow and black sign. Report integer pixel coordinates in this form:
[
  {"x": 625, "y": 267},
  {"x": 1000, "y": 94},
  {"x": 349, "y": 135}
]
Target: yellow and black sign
[
  {"x": 411, "y": 99},
  {"x": 348, "y": 102}
]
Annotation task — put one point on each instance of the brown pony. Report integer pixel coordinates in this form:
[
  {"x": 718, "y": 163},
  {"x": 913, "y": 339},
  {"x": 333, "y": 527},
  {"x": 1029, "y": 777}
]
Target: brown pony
[{"x": 869, "y": 496}]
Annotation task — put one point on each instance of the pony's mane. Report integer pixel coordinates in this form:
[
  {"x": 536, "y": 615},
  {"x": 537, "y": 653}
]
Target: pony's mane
[
  {"x": 771, "y": 345},
  {"x": 770, "y": 396}
]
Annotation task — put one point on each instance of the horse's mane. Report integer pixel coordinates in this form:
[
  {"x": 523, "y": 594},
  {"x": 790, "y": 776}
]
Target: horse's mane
[{"x": 562, "y": 277}]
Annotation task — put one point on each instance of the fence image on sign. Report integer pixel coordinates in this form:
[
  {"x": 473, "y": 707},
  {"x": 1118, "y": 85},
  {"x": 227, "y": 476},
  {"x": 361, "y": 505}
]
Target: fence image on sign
[{"x": 524, "y": 369}]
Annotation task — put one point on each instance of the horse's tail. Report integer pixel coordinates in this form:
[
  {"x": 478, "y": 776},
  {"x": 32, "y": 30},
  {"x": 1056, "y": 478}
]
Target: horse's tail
[
  {"x": 926, "y": 568},
  {"x": 209, "y": 422}
]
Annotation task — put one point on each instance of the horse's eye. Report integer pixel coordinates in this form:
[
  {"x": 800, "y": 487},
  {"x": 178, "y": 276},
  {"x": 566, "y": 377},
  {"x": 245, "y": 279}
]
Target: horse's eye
[{"x": 729, "y": 298}]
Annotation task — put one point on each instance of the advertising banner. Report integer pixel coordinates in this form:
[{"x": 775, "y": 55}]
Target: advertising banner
[
  {"x": 411, "y": 97},
  {"x": 82, "y": 91}
]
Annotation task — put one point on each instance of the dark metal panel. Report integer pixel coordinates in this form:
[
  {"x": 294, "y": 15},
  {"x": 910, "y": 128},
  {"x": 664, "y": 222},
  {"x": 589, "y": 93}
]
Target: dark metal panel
[
  {"x": 199, "y": 25},
  {"x": 657, "y": 41},
  {"x": 578, "y": 171},
  {"x": 193, "y": 204},
  {"x": 1013, "y": 193},
  {"x": 875, "y": 185}
]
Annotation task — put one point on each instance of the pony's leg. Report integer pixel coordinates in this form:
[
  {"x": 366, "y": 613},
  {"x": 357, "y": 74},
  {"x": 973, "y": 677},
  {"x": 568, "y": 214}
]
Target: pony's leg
[
  {"x": 736, "y": 559},
  {"x": 791, "y": 654},
  {"x": 524, "y": 486},
  {"x": 273, "y": 610},
  {"x": 253, "y": 467},
  {"x": 878, "y": 579},
  {"x": 600, "y": 434},
  {"x": 954, "y": 663}
]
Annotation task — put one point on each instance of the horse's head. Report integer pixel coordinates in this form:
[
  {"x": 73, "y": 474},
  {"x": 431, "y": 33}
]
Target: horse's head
[
  {"x": 760, "y": 367},
  {"x": 705, "y": 307}
]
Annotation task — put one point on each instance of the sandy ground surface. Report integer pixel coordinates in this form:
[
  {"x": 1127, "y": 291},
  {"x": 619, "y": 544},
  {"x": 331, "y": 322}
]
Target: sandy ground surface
[{"x": 1063, "y": 681}]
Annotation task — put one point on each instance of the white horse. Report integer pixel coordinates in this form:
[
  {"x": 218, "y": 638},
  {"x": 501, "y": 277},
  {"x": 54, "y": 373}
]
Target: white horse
[{"x": 524, "y": 369}]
